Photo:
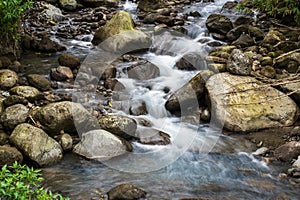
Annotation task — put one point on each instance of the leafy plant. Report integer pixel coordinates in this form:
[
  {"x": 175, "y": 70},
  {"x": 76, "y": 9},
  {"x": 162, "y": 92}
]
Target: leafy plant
[
  {"x": 10, "y": 13},
  {"x": 20, "y": 182},
  {"x": 276, "y": 8}
]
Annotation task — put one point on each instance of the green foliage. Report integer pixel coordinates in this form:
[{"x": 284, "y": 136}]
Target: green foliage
[
  {"x": 276, "y": 8},
  {"x": 20, "y": 182},
  {"x": 10, "y": 13}
]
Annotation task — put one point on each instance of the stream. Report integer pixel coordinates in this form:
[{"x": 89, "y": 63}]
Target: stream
[{"x": 199, "y": 162}]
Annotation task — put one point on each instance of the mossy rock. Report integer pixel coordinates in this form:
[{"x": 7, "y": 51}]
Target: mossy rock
[
  {"x": 151, "y": 5},
  {"x": 121, "y": 21}
]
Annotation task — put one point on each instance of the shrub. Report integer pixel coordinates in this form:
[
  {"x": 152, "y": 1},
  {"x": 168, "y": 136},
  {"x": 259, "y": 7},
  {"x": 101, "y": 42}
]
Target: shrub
[
  {"x": 20, "y": 182},
  {"x": 11, "y": 12},
  {"x": 276, "y": 8}
]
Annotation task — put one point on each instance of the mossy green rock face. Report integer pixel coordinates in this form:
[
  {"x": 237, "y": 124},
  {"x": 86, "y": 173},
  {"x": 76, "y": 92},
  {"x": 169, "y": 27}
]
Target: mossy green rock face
[
  {"x": 151, "y": 5},
  {"x": 120, "y": 22},
  {"x": 8, "y": 78},
  {"x": 65, "y": 115},
  {"x": 28, "y": 92},
  {"x": 36, "y": 144},
  {"x": 246, "y": 104}
]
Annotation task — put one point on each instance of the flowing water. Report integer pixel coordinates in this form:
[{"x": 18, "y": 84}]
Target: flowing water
[{"x": 200, "y": 161}]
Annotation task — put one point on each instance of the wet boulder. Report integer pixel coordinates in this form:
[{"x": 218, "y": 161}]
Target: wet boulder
[
  {"x": 126, "y": 192},
  {"x": 189, "y": 95},
  {"x": 120, "y": 36},
  {"x": 191, "y": 61},
  {"x": 69, "y": 60},
  {"x": 28, "y": 92},
  {"x": 235, "y": 33},
  {"x": 138, "y": 108},
  {"x": 244, "y": 41},
  {"x": 8, "y": 79},
  {"x": 68, "y": 4},
  {"x": 239, "y": 63},
  {"x": 119, "y": 125},
  {"x": 151, "y": 136},
  {"x": 36, "y": 144},
  {"x": 246, "y": 104},
  {"x": 101, "y": 144},
  {"x": 151, "y": 5},
  {"x": 14, "y": 115},
  {"x": 61, "y": 73},
  {"x": 8, "y": 155},
  {"x": 65, "y": 115},
  {"x": 217, "y": 23},
  {"x": 39, "y": 82},
  {"x": 288, "y": 151},
  {"x": 143, "y": 71}
]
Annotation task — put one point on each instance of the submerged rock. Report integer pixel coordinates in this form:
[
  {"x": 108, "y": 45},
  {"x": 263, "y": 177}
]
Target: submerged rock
[
  {"x": 8, "y": 155},
  {"x": 126, "y": 192},
  {"x": 14, "y": 115},
  {"x": 36, "y": 144},
  {"x": 122, "y": 126},
  {"x": 101, "y": 144},
  {"x": 245, "y": 104},
  {"x": 8, "y": 79}
]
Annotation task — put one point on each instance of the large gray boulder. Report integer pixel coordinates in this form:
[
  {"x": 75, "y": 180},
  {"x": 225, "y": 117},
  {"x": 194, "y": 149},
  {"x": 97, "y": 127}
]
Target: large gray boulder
[
  {"x": 246, "y": 104},
  {"x": 122, "y": 126},
  {"x": 14, "y": 115},
  {"x": 36, "y": 144},
  {"x": 65, "y": 115},
  {"x": 101, "y": 144},
  {"x": 8, "y": 78}
]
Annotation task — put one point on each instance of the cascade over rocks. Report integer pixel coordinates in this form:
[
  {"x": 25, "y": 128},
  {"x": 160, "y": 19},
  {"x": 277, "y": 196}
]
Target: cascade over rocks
[{"x": 246, "y": 104}]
